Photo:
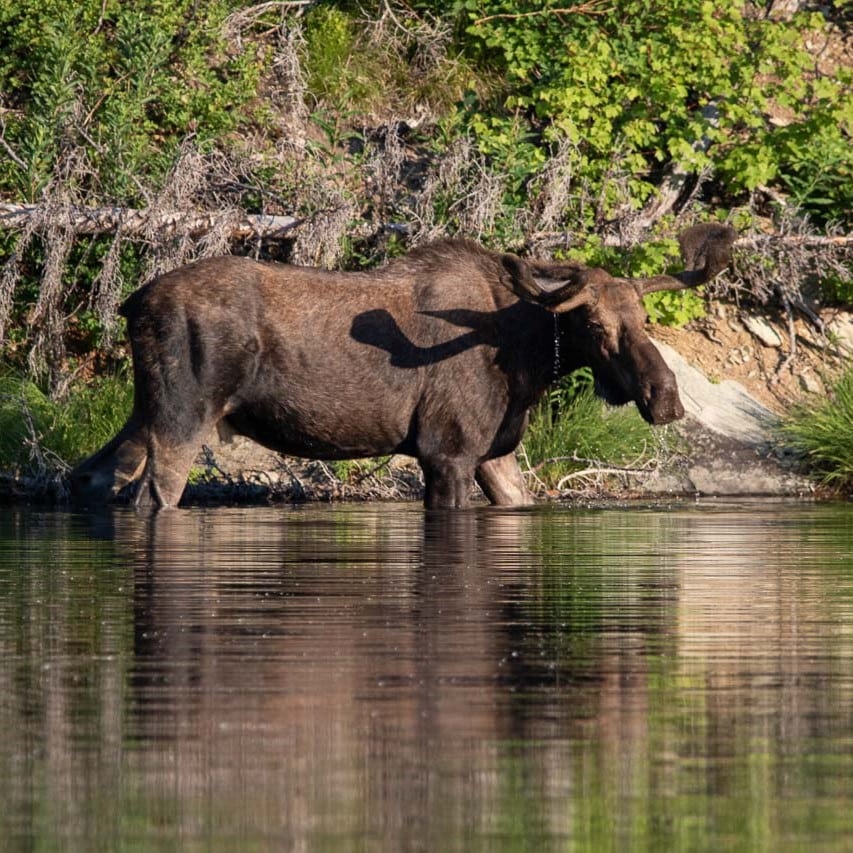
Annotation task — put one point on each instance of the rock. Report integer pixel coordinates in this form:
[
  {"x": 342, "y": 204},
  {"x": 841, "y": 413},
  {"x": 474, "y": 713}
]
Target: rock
[
  {"x": 745, "y": 479},
  {"x": 730, "y": 436},
  {"x": 761, "y": 329},
  {"x": 724, "y": 408},
  {"x": 811, "y": 383},
  {"x": 840, "y": 328}
]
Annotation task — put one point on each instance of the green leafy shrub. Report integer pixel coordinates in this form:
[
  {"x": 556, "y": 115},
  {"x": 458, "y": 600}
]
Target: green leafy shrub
[
  {"x": 666, "y": 307},
  {"x": 641, "y": 85},
  {"x": 124, "y": 83},
  {"x": 674, "y": 307},
  {"x": 821, "y": 429}
]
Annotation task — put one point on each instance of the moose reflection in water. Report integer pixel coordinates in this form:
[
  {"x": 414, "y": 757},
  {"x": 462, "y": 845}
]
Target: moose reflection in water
[
  {"x": 349, "y": 365},
  {"x": 371, "y": 690},
  {"x": 448, "y": 636},
  {"x": 380, "y": 676}
]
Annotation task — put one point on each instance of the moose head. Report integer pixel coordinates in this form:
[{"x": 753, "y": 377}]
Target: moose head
[{"x": 601, "y": 319}]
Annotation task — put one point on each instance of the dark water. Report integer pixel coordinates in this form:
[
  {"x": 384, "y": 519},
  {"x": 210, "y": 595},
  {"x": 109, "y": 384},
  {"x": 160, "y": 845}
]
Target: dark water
[{"x": 379, "y": 678}]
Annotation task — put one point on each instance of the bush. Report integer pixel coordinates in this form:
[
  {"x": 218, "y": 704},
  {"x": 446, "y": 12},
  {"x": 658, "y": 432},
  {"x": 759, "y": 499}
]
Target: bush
[
  {"x": 666, "y": 307},
  {"x": 822, "y": 431},
  {"x": 124, "y": 84},
  {"x": 639, "y": 86}
]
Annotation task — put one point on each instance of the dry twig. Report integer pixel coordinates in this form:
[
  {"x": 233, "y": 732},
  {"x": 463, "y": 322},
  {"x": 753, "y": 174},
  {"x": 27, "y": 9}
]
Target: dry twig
[{"x": 593, "y": 7}]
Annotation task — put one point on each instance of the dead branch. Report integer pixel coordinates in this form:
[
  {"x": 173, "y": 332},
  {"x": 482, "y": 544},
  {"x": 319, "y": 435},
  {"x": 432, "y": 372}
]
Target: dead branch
[
  {"x": 804, "y": 240},
  {"x": 144, "y": 223},
  {"x": 593, "y": 7}
]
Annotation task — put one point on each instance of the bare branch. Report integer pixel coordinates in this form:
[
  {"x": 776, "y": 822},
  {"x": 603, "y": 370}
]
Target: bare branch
[
  {"x": 104, "y": 220},
  {"x": 593, "y": 7}
]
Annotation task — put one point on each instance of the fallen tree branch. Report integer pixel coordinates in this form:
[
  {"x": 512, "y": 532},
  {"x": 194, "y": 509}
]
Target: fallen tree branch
[
  {"x": 754, "y": 240},
  {"x": 631, "y": 469},
  {"x": 148, "y": 223},
  {"x": 545, "y": 239},
  {"x": 593, "y": 7}
]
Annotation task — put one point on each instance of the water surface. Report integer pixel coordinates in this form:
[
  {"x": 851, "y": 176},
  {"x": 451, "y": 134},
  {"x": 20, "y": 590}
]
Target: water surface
[{"x": 376, "y": 677}]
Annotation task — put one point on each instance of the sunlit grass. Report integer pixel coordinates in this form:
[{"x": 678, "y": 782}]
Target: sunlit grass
[
  {"x": 573, "y": 430},
  {"x": 38, "y": 434},
  {"x": 821, "y": 429}
]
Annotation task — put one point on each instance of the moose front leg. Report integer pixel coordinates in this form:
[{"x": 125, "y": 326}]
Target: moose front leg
[
  {"x": 502, "y": 482},
  {"x": 448, "y": 482}
]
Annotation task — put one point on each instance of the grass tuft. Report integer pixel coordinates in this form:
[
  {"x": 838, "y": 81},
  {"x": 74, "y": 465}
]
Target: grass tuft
[
  {"x": 573, "y": 431},
  {"x": 821, "y": 429},
  {"x": 40, "y": 436}
]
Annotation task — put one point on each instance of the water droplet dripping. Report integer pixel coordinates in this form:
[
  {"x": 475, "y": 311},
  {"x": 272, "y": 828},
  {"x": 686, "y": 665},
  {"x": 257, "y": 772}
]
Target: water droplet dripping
[{"x": 556, "y": 346}]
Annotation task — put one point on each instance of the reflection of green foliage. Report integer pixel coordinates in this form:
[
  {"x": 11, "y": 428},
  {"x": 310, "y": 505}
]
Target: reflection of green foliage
[{"x": 623, "y": 727}]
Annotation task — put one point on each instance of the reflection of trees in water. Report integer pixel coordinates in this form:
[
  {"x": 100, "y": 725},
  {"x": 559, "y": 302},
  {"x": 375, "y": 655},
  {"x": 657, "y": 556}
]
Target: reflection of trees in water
[{"x": 389, "y": 673}]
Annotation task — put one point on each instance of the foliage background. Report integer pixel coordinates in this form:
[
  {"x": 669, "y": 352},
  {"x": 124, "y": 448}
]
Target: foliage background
[{"x": 596, "y": 129}]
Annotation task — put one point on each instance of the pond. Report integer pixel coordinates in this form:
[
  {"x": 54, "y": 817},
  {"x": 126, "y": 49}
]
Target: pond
[{"x": 378, "y": 677}]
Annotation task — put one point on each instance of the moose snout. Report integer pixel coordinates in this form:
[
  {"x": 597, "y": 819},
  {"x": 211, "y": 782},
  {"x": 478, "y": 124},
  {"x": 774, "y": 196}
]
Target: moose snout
[
  {"x": 661, "y": 403},
  {"x": 656, "y": 388}
]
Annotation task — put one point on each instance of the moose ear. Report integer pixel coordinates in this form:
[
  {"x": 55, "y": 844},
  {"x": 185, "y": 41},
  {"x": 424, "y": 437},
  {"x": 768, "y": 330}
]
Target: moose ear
[
  {"x": 578, "y": 290},
  {"x": 557, "y": 287},
  {"x": 706, "y": 250},
  {"x": 519, "y": 279}
]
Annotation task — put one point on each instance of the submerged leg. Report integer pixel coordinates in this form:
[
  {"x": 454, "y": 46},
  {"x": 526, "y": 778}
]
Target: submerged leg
[
  {"x": 448, "y": 482},
  {"x": 502, "y": 482},
  {"x": 165, "y": 474},
  {"x": 104, "y": 474}
]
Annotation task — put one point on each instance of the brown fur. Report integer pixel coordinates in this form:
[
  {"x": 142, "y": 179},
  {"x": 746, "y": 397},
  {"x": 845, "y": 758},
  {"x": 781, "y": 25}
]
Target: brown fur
[{"x": 434, "y": 356}]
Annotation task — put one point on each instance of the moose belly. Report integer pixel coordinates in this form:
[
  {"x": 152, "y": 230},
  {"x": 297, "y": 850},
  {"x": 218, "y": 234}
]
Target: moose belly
[{"x": 333, "y": 430}]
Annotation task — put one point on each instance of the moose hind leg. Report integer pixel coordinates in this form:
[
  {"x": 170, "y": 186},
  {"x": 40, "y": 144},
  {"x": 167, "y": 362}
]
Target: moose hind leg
[
  {"x": 165, "y": 474},
  {"x": 105, "y": 473},
  {"x": 502, "y": 482}
]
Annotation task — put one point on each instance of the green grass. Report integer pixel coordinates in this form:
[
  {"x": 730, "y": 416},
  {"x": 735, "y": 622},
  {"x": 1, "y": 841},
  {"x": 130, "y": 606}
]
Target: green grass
[
  {"x": 821, "y": 429},
  {"x": 40, "y": 435},
  {"x": 573, "y": 430}
]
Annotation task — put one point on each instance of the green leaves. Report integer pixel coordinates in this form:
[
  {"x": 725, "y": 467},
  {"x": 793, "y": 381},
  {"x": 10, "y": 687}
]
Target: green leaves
[
  {"x": 635, "y": 77},
  {"x": 125, "y": 84},
  {"x": 674, "y": 307}
]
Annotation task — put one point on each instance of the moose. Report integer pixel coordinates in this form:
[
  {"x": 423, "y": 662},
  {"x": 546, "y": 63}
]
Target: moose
[{"x": 438, "y": 355}]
